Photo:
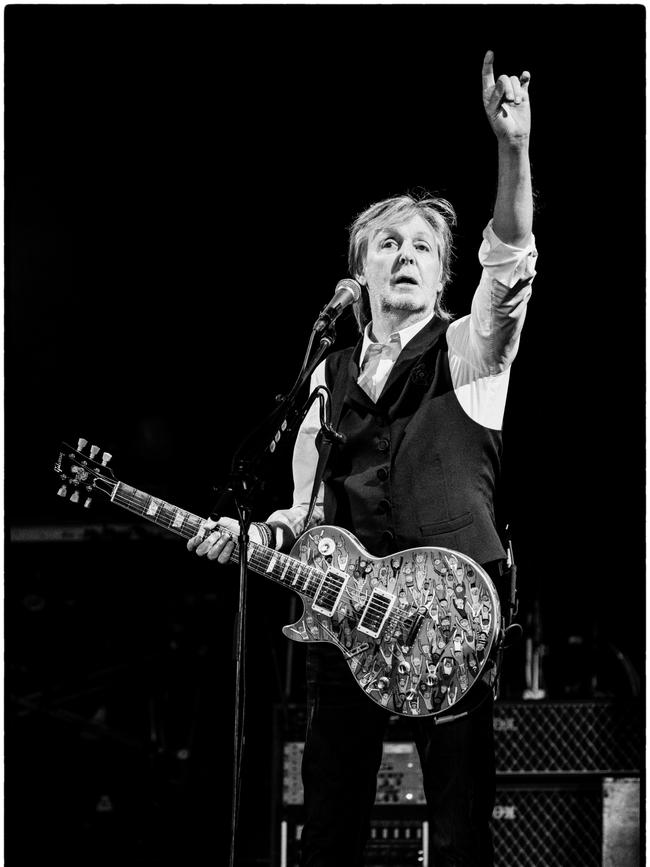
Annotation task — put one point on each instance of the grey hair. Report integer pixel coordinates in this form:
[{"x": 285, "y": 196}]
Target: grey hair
[{"x": 440, "y": 215}]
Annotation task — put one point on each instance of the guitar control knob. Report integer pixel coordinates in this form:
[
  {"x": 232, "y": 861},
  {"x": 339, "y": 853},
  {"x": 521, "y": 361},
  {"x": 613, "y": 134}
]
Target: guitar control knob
[
  {"x": 88, "y": 502},
  {"x": 75, "y": 497},
  {"x": 93, "y": 451},
  {"x": 62, "y": 492},
  {"x": 81, "y": 445},
  {"x": 106, "y": 456}
]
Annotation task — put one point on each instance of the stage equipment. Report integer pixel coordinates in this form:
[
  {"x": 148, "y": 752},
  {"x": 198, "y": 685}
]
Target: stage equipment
[{"x": 570, "y": 806}]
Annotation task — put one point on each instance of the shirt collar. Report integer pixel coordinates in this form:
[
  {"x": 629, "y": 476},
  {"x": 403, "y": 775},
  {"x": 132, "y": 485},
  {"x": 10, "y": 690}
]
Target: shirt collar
[{"x": 402, "y": 336}]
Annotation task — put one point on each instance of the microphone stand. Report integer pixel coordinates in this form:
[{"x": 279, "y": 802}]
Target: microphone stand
[{"x": 244, "y": 485}]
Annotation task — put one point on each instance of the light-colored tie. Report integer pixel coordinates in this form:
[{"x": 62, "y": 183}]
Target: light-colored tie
[{"x": 377, "y": 366}]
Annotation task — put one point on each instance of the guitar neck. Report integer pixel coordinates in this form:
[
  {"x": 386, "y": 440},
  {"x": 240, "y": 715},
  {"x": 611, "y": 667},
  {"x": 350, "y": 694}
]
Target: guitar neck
[{"x": 281, "y": 568}]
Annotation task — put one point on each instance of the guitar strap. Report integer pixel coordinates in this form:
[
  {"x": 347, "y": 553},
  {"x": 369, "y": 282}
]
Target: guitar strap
[{"x": 338, "y": 392}]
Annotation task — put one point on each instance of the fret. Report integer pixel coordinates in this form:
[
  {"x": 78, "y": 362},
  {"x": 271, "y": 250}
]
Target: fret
[
  {"x": 140, "y": 500},
  {"x": 130, "y": 498},
  {"x": 316, "y": 577},
  {"x": 288, "y": 567},
  {"x": 166, "y": 514},
  {"x": 192, "y": 525},
  {"x": 307, "y": 577}
]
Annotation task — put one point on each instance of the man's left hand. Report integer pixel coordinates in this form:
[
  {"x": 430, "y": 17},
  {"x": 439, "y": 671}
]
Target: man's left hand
[{"x": 506, "y": 103}]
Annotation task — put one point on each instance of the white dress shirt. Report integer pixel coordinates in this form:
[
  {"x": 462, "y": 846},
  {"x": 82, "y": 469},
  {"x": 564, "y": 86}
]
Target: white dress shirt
[{"x": 482, "y": 346}]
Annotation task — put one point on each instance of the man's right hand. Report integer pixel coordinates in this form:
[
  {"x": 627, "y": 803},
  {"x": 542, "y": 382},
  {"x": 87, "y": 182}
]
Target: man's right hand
[{"x": 216, "y": 544}]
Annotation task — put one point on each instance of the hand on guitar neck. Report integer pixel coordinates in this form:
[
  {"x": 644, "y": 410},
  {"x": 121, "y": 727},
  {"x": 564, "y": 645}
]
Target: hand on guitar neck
[{"x": 217, "y": 544}]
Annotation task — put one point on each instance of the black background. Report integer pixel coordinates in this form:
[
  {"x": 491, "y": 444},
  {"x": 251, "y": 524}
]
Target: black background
[{"x": 178, "y": 185}]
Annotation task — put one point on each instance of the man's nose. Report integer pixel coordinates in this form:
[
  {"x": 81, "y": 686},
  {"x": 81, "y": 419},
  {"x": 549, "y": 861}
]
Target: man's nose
[{"x": 406, "y": 254}]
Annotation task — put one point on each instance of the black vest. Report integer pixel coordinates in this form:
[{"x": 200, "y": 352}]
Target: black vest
[{"x": 415, "y": 469}]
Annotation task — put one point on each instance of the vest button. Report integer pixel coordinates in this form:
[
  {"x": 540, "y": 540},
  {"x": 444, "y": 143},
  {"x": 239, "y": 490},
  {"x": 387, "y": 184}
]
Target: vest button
[
  {"x": 383, "y": 506},
  {"x": 382, "y": 474},
  {"x": 383, "y": 445}
]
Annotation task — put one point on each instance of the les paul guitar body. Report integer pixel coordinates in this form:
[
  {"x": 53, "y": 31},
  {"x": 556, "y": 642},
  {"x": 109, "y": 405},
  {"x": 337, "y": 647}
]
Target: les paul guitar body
[{"x": 418, "y": 629}]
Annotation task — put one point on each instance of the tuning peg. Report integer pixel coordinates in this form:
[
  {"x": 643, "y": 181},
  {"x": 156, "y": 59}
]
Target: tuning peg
[
  {"x": 81, "y": 445},
  {"x": 88, "y": 502},
  {"x": 63, "y": 491},
  {"x": 93, "y": 451},
  {"x": 106, "y": 456},
  {"x": 75, "y": 497}
]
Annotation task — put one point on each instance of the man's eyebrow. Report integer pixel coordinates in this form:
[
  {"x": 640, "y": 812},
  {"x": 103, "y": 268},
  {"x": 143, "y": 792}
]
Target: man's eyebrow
[{"x": 389, "y": 230}]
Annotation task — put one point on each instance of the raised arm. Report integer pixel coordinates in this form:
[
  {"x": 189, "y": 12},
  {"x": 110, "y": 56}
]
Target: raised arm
[{"x": 508, "y": 110}]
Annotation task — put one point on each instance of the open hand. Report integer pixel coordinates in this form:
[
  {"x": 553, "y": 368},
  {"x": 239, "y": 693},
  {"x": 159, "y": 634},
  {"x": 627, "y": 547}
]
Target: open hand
[{"x": 506, "y": 102}]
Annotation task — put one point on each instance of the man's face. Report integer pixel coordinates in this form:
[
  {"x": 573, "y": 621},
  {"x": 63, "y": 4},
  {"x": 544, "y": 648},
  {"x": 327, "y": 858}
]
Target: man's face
[{"x": 402, "y": 268}]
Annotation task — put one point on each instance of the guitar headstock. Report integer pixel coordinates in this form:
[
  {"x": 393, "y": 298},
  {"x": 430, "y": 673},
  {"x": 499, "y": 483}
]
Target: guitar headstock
[{"x": 81, "y": 474}]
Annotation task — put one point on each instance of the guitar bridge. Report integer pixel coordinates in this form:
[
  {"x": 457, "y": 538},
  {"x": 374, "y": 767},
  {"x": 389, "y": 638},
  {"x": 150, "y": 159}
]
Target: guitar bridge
[
  {"x": 376, "y": 612},
  {"x": 329, "y": 592}
]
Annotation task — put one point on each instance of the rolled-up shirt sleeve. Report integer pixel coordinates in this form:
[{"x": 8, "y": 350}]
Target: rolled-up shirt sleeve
[
  {"x": 488, "y": 338},
  {"x": 305, "y": 459},
  {"x": 483, "y": 345}
]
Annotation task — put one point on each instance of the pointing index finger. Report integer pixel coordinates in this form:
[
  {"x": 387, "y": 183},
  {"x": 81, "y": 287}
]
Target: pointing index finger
[{"x": 488, "y": 70}]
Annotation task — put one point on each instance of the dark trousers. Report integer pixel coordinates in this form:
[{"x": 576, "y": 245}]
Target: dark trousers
[{"x": 343, "y": 751}]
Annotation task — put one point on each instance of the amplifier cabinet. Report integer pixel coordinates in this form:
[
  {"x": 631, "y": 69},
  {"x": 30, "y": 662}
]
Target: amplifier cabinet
[
  {"x": 564, "y": 737},
  {"x": 548, "y": 825}
]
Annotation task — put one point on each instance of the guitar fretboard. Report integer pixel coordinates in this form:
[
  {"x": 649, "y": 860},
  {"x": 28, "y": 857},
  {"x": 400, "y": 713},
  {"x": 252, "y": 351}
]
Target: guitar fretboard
[{"x": 279, "y": 567}]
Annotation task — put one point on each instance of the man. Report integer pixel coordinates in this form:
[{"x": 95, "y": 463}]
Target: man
[{"x": 420, "y": 401}]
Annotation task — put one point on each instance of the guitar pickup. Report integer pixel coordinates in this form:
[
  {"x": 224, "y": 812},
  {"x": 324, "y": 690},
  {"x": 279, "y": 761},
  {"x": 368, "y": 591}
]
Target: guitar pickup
[
  {"x": 376, "y": 612},
  {"x": 329, "y": 592}
]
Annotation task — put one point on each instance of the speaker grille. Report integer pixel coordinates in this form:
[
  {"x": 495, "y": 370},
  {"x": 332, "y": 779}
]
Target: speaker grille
[
  {"x": 541, "y": 827},
  {"x": 568, "y": 737}
]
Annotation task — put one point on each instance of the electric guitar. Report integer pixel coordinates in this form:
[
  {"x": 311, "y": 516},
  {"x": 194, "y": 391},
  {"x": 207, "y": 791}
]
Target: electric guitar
[{"x": 419, "y": 630}]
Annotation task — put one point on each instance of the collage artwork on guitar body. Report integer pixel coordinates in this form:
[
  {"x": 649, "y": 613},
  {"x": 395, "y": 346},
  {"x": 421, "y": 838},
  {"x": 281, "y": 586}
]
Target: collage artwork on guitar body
[{"x": 418, "y": 666}]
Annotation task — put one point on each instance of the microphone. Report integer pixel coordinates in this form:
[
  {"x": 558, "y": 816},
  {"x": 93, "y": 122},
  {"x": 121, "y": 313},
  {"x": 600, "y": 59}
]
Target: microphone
[{"x": 347, "y": 292}]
